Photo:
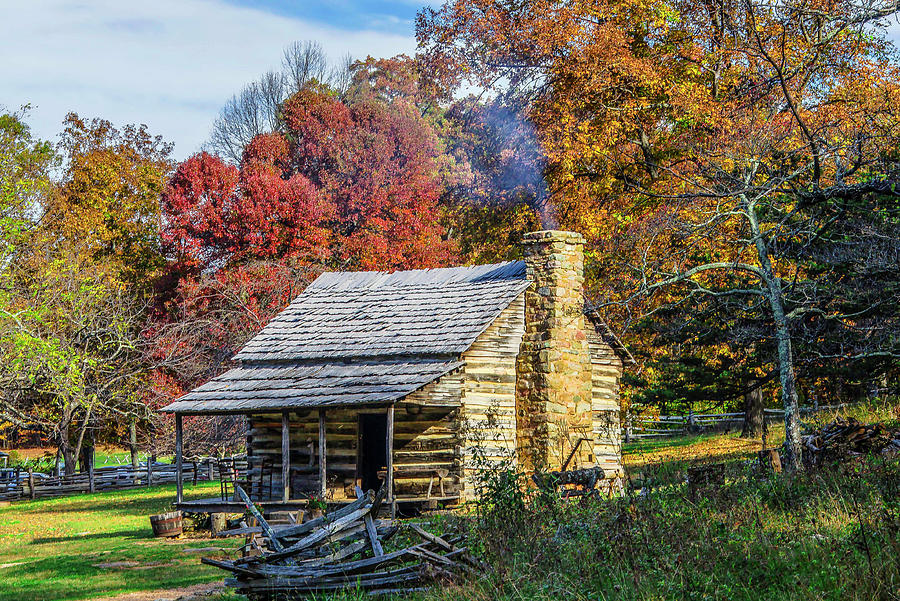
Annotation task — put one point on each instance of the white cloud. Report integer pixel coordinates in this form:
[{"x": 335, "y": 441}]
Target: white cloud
[{"x": 168, "y": 63}]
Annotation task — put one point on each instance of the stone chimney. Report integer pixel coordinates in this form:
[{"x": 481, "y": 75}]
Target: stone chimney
[{"x": 553, "y": 382}]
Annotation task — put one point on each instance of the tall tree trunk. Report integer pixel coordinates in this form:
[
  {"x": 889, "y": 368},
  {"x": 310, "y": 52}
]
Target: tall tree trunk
[
  {"x": 82, "y": 430},
  {"x": 793, "y": 451},
  {"x": 754, "y": 416},
  {"x": 87, "y": 455},
  {"x": 66, "y": 450},
  {"x": 771, "y": 287}
]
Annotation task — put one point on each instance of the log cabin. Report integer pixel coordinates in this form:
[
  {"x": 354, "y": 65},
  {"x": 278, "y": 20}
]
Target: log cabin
[{"x": 417, "y": 380}]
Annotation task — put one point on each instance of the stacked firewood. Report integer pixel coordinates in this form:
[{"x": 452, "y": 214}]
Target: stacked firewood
[
  {"x": 343, "y": 550},
  {"x": 844, "y": 439}
]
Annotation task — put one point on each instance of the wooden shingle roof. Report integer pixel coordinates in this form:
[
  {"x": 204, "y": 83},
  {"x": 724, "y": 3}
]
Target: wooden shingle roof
[
  {"x": 375, "y": 314},
  {"x": 362, "y": 338}
]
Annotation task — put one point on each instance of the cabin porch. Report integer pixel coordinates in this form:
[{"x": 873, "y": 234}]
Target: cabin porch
[{"x": 324, "y": 453}]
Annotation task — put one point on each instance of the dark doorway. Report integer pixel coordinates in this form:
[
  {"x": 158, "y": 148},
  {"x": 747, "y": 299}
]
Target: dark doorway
[{"x": 372, "y": 453}]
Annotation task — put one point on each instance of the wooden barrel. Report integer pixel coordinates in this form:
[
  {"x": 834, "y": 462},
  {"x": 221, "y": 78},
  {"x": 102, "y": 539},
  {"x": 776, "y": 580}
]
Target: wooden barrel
[{"x": 167, "y": 524}]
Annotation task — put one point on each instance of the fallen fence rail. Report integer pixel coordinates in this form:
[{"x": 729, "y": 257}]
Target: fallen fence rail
[{"x": 343, "y": 551}]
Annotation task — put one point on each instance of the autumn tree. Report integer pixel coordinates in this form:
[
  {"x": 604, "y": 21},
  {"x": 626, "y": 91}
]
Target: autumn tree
[
  {"x": 25, "y": 165},
  {"x": 498, "y": 193},
  {"x": 74, "y": 297},
  {"x": 255, "y": 109},
  {"x": 490, "y": 164},
  {"x": 348, "y": 186},
  {"x": 716, "y": 143},
  {"x": 107, "y": 198},
  {"x": 70, "y": 351}
]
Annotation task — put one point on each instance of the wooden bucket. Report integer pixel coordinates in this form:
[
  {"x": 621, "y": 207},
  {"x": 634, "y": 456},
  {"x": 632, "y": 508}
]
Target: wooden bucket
[{"x": 167, "y": 524}]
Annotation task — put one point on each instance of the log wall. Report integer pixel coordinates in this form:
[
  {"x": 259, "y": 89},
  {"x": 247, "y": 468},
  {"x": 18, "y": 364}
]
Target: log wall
[
  {"x": 427, "y": 446},
  {"x": 489, "y": 396},
  {"x": 606, "y": 372}
]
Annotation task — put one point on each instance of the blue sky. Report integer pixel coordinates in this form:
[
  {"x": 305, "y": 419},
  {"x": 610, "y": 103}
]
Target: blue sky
[
  {"x": 172, "y": 63},
  {"x": 397, "y": 16}
]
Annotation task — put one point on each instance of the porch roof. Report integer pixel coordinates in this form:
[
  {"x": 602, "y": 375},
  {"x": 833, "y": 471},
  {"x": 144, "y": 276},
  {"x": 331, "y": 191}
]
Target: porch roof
[{"x": 276, "y": 387}]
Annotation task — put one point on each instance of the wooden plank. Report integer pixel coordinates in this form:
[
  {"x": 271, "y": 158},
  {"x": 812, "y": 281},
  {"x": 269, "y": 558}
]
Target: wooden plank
[
  {"x": 238, "y": 532},
  {"x": 273, "y": 539},
  {"x": 343, "y": 569},
  {"x": 311, "y": 585},
  {"x": 285, "y": 456},
  {"x": 292, "y": 531},
  {"x": 322, "y": 534},
  {"x": 230, "y": 566},
  {"x": 370, "y": 529},
  {"x": 318, "y": 551},
  {"x": 323, "y": 484},
  {"x": 437, "y": 540},
  {"x": 338, "y": 555},
  {"x": 179, "y": 451},
  {"x": 389, "y": 454}
]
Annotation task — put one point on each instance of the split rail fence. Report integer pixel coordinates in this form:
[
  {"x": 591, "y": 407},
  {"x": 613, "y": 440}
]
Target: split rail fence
[
  {"x": 34, "y": 485},
  {"x": 638, "y": 428}
]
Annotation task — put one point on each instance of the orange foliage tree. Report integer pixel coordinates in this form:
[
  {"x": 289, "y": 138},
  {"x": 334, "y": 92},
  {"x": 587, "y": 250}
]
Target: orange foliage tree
[
  {"x": 702, "y": 146},
  {"x": 107, "y": 202}
]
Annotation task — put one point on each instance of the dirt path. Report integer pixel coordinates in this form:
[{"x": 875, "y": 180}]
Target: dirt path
[{"x": 197, "y": 592}]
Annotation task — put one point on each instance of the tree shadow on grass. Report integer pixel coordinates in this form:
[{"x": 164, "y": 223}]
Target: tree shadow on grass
[
  {"x": 115, "y": 504},
  {"x": 136, "y": 534}
]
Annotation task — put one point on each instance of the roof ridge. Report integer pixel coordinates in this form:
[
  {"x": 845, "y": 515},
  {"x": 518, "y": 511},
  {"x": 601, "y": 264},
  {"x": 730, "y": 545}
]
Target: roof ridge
[{"x": 436, "y": 276}]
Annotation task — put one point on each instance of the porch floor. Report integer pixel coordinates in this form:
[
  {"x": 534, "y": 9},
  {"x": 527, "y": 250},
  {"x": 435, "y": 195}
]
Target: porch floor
[{"x": 217, "y": 505}]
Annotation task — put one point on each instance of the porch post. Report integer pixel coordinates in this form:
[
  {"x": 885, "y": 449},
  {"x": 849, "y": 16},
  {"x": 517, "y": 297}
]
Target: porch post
[
  {"x": 285, "y": 456},
  {"x": 179, "y": 473},
  {"x": 389, "y": 455},
  {"x": 322, "y": 485}
]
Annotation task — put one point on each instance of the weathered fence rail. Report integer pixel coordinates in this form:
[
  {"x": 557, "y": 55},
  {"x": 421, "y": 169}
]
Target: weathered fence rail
[
  {"x": 30, "y": 485},
  {"x": 637, "y": 428}
]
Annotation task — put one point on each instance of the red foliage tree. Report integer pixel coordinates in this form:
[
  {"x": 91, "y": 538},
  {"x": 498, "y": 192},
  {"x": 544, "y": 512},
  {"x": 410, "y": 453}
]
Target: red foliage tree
[
  {"x": 196, "y": 210},
  {"x": 343, "y": 185},
  {"x": 217, "y": 215},
  {"x": 347, "y": 186}
]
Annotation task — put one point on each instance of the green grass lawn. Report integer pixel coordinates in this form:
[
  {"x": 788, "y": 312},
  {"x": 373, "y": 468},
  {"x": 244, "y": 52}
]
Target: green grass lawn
[
  {"x": 97, "y": 546},
  {"x": 107, "y": 458},
  {"x": 123, "y": 458}
]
